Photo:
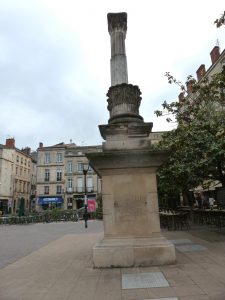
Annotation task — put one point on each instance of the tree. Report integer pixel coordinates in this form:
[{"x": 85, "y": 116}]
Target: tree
[
  {"x": 197, "y": 146},
  {"x": 221, "y": 21}
]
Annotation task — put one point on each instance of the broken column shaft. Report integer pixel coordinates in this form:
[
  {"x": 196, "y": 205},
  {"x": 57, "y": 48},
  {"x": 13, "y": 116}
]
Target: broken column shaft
[{"x": 117, "y": 26}]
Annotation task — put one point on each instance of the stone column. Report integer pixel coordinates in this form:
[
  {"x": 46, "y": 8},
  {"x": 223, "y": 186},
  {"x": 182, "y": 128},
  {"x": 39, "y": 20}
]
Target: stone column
[
  {"x": 127, "y": 166},
  {"x": 117, "y": 26}
]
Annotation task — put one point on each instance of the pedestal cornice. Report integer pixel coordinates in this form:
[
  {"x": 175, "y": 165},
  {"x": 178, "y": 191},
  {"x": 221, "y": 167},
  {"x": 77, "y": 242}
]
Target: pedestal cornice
[{"x": 126, "y": 159}]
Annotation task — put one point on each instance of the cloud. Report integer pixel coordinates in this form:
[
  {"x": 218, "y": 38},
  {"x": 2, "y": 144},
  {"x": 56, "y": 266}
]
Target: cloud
[{"x": 55, "y": 62}]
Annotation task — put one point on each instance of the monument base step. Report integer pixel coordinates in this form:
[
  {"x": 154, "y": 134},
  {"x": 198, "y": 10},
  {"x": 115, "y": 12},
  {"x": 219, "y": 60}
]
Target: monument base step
[{"x": 133, "y": 252}]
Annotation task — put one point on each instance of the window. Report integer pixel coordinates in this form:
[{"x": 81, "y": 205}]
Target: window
[
  {"x": 80, "y": 167},
  {"x": 46, "y": 190},
  {"x": 47, "y": 158},
  {"x": 59, "y": 157},
  {"x": 89, "y": 184},
  {"x": 59, "y": 175},
  {"x": 79, "y": 184},
  {"x": 58, "y": 189},
  {"x": 70, "y": 183},
  {"x": 25, "y": 162},
  {"x": 16, "y": 170},
  {"x": 69, "y": 166},
  {"x": 47, "y": 174},
  {"x": 21, "y": 160},
  {"x": 17, "y": 159}
]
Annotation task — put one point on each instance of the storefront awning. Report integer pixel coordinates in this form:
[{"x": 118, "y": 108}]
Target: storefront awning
[{"x": 47, "y": 200}]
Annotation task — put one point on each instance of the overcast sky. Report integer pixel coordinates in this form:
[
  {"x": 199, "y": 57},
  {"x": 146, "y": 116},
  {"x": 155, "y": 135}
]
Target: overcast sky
[{"x": 55, "y": 62}]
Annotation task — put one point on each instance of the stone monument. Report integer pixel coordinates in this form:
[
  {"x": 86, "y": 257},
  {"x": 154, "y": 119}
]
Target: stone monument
[{"x": 127, "y": 166}]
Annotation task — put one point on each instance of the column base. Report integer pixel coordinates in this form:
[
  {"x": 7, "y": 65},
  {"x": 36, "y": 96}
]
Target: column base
[{"x": 133, "y": 252}]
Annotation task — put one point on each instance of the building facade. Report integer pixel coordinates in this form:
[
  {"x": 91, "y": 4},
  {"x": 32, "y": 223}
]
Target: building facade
[
  {"x": 60, "y": 177},
  {"x": 17, "y": 168}
]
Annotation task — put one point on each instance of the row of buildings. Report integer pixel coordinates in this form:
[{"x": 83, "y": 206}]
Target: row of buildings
[
  {"x": 50, "y": 177},
  {"x": 47, "y": 178}
]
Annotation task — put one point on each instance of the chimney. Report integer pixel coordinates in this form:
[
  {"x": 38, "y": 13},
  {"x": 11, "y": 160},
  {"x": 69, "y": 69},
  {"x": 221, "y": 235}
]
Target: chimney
[
  {"x": 26, "y": 150},
  {"x": 200, "y": 72},
  {"x": 215, "y": 54},
  {"x": 40, "y": 145},
  {"x": 181, "y": 97},
  {"x": 189, "y": 85},
  {"x": 10, "y": 143}
]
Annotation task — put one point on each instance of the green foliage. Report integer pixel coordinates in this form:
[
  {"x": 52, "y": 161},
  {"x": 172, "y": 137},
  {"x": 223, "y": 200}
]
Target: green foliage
[
  {"x": 197, "y": 146},
  {"x": 221, "y": 21}
]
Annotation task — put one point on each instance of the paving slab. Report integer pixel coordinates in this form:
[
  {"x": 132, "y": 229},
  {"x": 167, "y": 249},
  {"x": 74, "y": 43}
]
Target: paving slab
[{"x": 144, "y": 280}]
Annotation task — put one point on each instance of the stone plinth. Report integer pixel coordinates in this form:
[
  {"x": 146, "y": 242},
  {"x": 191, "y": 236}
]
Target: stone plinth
[
  {"x": 133, "y": 252},
  {"x": 130, "y": 210}
]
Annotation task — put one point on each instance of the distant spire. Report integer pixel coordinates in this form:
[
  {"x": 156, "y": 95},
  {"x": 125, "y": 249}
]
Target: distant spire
[{"x": 218, "y": 43}]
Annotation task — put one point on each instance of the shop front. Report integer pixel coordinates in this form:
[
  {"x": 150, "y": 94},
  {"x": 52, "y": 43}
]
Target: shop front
[
  {"x": 50, "y": 202},
  {"x": 91, "y": 198},
  {"x": 4, "y": 206}
]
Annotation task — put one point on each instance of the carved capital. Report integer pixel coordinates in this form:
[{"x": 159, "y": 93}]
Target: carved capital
[
  {"x": 124, "y": 100},
  {"x": 117, "y": 21}
]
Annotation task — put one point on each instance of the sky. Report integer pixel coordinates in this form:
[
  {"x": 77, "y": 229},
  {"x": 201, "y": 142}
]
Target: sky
[{"x": 55, "y": 62}]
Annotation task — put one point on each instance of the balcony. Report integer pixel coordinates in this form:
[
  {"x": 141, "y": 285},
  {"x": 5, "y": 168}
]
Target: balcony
[
  {"x": 82, "y": 189},
  {"x": 69, "y": 190}
]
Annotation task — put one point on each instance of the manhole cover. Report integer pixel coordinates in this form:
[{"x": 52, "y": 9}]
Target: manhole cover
[{"x": 144, "y": 280}]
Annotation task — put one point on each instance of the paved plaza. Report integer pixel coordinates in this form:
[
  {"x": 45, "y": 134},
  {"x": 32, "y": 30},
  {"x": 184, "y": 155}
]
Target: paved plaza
[{"x": 54, "y": 261}]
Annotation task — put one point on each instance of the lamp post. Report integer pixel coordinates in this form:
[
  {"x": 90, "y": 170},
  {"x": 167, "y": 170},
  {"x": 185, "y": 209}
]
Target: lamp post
[{"x": 85, "y": 170}]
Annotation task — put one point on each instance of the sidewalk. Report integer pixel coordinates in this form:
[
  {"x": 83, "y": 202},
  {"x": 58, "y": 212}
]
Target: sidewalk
[{"x": 62, "y": 270}]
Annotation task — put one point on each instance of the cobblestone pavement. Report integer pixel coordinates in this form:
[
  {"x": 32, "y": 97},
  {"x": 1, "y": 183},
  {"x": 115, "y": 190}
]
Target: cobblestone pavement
[
  {"x": 17, "y": 241},
  {"x": 61, "y": 267}
]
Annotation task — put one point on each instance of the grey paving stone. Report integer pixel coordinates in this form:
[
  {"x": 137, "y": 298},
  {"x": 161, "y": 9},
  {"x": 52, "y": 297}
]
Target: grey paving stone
[
  {"x": 190, "y": 248},
  {"x": 164, "y": 299},
  {"x": 181, "y": 241},
  {"x": 144, "y": 280}
]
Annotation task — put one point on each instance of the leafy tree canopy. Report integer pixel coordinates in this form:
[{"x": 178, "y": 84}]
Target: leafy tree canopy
[{"x": 197, "y": 146}]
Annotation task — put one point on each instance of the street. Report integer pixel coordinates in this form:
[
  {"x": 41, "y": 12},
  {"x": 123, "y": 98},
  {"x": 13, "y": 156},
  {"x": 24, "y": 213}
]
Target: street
[{"x": 18, "y": 241}]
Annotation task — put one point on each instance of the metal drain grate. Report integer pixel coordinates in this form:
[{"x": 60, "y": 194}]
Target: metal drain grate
[
  {"x": 144, "y": 280},
  {"x": 190, "y": 248},
  {"x": 180, "y": 241}
]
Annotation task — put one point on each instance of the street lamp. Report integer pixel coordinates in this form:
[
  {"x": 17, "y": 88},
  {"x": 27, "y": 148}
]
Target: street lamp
[{"x": 85, "y": 170}]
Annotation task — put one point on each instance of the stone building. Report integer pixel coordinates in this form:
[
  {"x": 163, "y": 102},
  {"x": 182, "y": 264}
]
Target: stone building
[
  {"x": 17, "y": 168},
  {"x": 217, "y": 64},
  {"x": 156, "y": 136},
  {"x": 60, "y": 178}
]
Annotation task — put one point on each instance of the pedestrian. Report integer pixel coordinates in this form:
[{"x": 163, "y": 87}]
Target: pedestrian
[
  {"x": 199, "y": 200},
  {"x": 211, "y": 202}
]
